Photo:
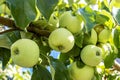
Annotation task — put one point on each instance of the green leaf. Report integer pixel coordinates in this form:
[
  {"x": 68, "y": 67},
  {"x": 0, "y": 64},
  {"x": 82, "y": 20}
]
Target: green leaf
[
  {"x": 104, "y": 5},
  {"x": 75, "y": 52},
  {"x": 41, "y": 73},
  {"x": 61, "y": 72},
  {"x": 64, "y": 58},
  {"x": 101, "y": 19},
  {"x": 46, "y": 7},
  {"x": 4, "y": 56},
  {"x": 116, "y": 35},
  {"x": 44, "y": 48},
  {"x": 13, "y": 36},
  {"x": 97, "y": 76},
  {"x": 109, "y": 60},
  {"x": 4, "y": 41},
  {"x": 23, "y": 11},
  {"x": 118, "y": 53},
  {"x": 79, "y": 39},
  {"x": 88, "y": 17},
  {"x": 117, "y": 16},
  {"x": 116, "y": 39},
  {"x": 109, "y": 19}
]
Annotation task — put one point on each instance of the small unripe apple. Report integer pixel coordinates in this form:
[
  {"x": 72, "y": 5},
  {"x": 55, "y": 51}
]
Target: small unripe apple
[
  {"x": 71, "y": 22},
  {"x": 104, "y": 35},
  {"x": 91, "y": 55},
  {"x": 98, "y": 28},
  {"x": 84, "y": 73},
  {"x": 92, "y": 39},
  {"x": 53, "y": 22},
  {"x": 25, "y": 52},
  {"x": 61, "y": 40}
]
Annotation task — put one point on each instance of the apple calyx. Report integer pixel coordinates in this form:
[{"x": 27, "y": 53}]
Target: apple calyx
[
  {"x": 91, "y": 55},
  {"x": 60, "y": 47},
  {"x": 16, "y": 51},
  {"x": 97, "y": 53}
]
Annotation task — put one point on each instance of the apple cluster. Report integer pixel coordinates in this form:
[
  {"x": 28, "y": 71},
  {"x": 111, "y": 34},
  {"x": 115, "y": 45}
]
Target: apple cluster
[{"x": 95, "y": 48}]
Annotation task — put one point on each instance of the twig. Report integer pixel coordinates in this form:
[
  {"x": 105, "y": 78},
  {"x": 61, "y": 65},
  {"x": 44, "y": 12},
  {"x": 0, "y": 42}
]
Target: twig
[
  {"x": 31, "y": 28},
  {"x": 9, "y": 30}
]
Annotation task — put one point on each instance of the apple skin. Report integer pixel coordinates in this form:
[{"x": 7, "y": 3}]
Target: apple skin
[
  {"x": 92, "y": 39},
  {"x": 104, "y": 35},
  {"x": 72, "y": 23},
  {"x": 91, "y": 55},
  {"x": 53, "y": 22},
  {"x": 25, "y": 53},
  {"x": 84, "y": 73},
  {"x": 61, "y": 40}
]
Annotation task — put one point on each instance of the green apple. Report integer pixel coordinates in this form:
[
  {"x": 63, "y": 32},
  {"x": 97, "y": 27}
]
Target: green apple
[
  {"x": 92, "y": 39},
  {"x": 91, "y": 55},
  {"x": 53, "y": 22},
  {"x": 98, "y": 28},
  {"x": 84, "y": 73},
  {"x": 61, "y": 40},
  {"x": 104, "y": 35},
  {"x": 71, "y": 22},
  {"x": 25, "y": 52}
]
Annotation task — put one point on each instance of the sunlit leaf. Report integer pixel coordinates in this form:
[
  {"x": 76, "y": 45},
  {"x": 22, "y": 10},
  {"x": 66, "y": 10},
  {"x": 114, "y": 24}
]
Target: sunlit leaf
[
  {"x": 88, "y": 17},
  {"x": 109, "y": 60}
]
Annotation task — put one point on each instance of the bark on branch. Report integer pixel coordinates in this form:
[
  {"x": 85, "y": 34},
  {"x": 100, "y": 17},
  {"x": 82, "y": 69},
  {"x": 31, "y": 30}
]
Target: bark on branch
[{"x": 32, "y": 28}]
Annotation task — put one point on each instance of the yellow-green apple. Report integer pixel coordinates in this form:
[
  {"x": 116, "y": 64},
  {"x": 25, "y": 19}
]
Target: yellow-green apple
[
  {"x": 72, "y": 22},
  {"x": 92, "y": 39},
  {"x": 53, "y": 22},
  {"x": 103, "y": 33},
  {"x": 61, "y": 40},
  {"x": 84, "y": 73},
  {"x": 91, "y": 55},
  {"x": 25, "y": 52}
]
